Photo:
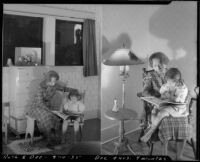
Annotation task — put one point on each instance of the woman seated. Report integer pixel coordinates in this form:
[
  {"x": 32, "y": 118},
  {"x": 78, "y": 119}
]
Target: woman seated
[
  {"x": 73, "y": 107},
  {"x": 48, "y": 97},
  {"x": 154, "y": 79}
]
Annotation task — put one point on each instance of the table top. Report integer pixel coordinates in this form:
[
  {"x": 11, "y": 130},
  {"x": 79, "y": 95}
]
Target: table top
[{"x": 122, "y": 114}]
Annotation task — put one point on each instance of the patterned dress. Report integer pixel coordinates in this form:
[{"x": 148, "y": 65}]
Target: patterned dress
[
  {"x": 40, "y": 110},
  {"x": 153, "y": 82}
]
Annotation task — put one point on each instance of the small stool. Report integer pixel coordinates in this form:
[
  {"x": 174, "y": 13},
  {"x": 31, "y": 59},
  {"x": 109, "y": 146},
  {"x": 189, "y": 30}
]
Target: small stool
[{"x": 30, "y": 127}]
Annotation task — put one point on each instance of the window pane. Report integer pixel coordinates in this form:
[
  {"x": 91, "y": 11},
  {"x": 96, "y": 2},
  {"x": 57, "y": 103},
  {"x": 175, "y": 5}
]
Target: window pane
[
  {"x": 20, "y": 31},
  {"x": 68, "y": 49}
]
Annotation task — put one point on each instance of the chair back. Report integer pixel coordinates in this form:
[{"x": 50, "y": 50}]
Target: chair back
[
  {"x": 82, "y": 95},
  {"x": 190, "y": 100},
  {"x": 6, "y": 112}
]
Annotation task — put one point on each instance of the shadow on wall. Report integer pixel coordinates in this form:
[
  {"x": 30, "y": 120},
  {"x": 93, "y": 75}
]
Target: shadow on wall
[
  {"x": 109, "y": 47},
  {"x": 177, "y": 23}
]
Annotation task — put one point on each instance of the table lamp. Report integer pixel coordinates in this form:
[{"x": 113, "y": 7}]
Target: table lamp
[{"x": 123, "y": 57}]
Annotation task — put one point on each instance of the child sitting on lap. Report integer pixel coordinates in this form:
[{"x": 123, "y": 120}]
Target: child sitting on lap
[
  {"x": 72, "y": 107},
  {"x": 174, "y": 90}
]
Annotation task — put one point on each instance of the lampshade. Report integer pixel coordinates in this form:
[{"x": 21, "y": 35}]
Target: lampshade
[{"x": 122, "y": 57}]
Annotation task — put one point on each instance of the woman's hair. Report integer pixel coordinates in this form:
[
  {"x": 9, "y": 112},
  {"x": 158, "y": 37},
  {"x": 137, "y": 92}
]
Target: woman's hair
[
  {"x": 160, "y": 56},
  {"x": 175, "y": 74},
  {"x": 48, "y": 76},
  {"x": 52, "y": 74},
  {"x": 74, "y": 93}
]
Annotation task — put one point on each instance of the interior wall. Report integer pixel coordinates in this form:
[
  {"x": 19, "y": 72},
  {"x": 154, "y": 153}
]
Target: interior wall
[{"x": 145, "y": 29}]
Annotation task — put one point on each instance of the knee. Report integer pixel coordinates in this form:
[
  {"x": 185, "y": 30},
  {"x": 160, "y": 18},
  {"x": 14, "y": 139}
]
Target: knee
[{"x": 162, "y": 114}]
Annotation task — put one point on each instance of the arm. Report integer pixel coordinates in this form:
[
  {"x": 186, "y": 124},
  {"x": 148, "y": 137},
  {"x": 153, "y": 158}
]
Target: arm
[
  {"x": 147, "y": 86},
  {"x": 81, "y": 107},
  {"x": 164, "y": 91},
  {"x": 181, "y": 94}
]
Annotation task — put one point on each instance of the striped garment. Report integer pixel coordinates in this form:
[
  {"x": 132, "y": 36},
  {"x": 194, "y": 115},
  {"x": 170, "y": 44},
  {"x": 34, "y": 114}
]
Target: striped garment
[
  {"x": 174, "y": 128},
  {"x": 39, "y": 110}
]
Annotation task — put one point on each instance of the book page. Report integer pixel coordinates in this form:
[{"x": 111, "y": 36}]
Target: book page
[
  {"x": 159, "y": 102},
  {"x": 60, "y": 114}
]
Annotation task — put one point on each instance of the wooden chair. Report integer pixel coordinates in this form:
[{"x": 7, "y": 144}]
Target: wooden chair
[
  {"x": 154, "y": 137},
  {"x": 5, "y": 119}
]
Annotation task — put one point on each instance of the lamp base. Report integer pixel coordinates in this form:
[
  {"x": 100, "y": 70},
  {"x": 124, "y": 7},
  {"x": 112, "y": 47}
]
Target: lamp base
[{"x": 122, "y": 144}]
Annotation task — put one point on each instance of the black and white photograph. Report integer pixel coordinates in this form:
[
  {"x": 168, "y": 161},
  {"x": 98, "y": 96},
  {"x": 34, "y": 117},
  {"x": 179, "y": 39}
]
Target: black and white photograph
[
  {"x": 51, "y": 80},
  {"x": 101, "y": 79}
]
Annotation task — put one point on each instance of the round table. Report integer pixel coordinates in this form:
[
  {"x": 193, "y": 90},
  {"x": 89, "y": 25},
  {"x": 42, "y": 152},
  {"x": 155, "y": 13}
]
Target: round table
[{"x": 122, "y": 115}]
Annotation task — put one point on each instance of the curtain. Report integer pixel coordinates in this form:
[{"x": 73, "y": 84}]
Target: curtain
[{"x": 89, "y": 48}]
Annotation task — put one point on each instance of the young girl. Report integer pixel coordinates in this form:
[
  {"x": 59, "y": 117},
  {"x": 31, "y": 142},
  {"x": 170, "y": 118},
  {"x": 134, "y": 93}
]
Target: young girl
[
  {"x": 72, "y": 107},
  {"x": 174, "y": 90}
]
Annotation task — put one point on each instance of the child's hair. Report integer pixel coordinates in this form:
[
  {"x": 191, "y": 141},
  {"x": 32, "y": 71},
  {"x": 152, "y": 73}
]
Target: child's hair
[
  {"x": 74, "y": 93},
  {"x": 175, "y": 74},
  {"x": 160, "y": 56}
]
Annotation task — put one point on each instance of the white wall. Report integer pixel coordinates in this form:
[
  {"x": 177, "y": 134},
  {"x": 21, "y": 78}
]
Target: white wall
[{"x": 145, "y": 29}]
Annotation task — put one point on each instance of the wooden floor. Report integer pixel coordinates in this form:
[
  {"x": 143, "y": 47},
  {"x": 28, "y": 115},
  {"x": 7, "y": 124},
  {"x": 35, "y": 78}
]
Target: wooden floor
[
  {"x": 141, "y": 148},
  {"x": 91, "y": 136}
]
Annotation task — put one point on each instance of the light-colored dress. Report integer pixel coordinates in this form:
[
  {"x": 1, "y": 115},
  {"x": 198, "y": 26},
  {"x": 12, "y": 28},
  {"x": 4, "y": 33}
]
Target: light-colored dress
[
  {"x": 77, "y": 107},
  {"x": 178, "y": 93}
]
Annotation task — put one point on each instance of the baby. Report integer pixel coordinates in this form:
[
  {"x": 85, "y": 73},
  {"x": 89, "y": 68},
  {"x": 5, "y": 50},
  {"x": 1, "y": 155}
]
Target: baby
[{"x": 73, "y": 107}]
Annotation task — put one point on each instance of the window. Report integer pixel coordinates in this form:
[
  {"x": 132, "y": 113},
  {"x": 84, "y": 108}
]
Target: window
[
  {"x": 68, "y": 48},
  {"x": 21, "y": 31}
]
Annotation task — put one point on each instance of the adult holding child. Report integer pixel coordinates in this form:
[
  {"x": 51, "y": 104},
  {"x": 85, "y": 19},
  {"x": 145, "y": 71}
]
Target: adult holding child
[{"x": 154, "y": 79}]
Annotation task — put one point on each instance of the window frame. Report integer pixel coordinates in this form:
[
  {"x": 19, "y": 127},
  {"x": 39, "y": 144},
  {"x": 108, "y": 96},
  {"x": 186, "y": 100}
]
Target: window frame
[
  {"x": 49, "y": 26},
  {"x": 78, "y": 20},
  {"x": 28, "y": 15}
]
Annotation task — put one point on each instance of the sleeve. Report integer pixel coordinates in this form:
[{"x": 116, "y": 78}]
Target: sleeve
[
  {"x": 81, "y": 107},
  {"x": 40, "y": 98},
  {"x": 147, "y": 84},
  {"x": 181, "y": 94},
  {"x": 164, "y": 88}
]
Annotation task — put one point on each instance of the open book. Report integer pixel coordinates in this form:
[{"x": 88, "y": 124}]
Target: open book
[
  {"x": 159, "y": 102},
  {"x": 60, "y": 114},
  {"x": 65, "y": 115}
]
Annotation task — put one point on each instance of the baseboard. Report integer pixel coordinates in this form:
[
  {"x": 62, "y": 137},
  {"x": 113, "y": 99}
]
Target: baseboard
[
  {"x": 134, "y": 132},
  {"x": 112, "y": 132}
]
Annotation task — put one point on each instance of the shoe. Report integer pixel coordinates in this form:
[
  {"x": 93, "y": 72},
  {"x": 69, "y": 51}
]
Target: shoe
[{"x": 147, "y": 135}]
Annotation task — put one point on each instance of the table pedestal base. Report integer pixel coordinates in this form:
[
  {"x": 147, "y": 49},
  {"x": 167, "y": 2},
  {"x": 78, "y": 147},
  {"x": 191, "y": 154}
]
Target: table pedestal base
[{"x": 121, "y": 144}]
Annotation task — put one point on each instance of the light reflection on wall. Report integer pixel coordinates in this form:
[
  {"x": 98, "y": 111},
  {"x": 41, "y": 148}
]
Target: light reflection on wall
[{"x": 105, "y": 75}]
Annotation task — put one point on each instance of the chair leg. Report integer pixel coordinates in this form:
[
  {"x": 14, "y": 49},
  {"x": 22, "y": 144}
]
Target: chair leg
[
  {"x": 180, "y": 149},
  {"x": 165, "y": 148},
  {"x": 151, "y": 145},
  {"x": 6, "y": 134},
  {"x": 192, "y": 144},
  {"x": 81, "y": 132},
  {"x": 26, "y": 135}
]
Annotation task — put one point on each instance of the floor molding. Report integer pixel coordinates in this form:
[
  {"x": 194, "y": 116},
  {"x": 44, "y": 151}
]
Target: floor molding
[{"x": 131, "y": 131}]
